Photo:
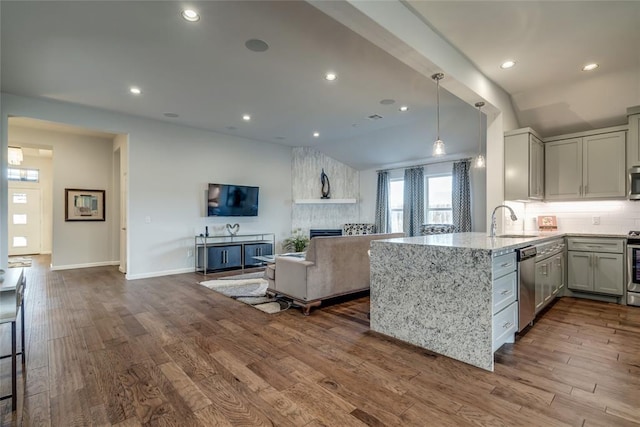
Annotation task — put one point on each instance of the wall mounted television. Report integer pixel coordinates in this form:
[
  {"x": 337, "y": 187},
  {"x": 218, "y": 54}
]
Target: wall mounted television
[{"x": 232, "y": 200}]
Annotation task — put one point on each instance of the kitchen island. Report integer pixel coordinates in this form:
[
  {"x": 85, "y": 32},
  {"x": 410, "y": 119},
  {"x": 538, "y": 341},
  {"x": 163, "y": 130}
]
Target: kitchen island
[{"x": 436, "y": 291}]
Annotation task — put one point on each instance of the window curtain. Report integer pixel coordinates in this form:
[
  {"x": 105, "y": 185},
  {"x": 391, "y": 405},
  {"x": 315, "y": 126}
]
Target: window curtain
[
  {"x": 413, "y": 209},
  {"x": 382, "y": 203},
  {"x": 461, "y": 196}
]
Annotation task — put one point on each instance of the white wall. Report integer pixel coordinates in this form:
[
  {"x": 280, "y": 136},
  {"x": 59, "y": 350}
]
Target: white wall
[
  {"x": 45, "y": 185},
  {"x": 307, "y": 165},
  {"x": 169, "y": 168}
]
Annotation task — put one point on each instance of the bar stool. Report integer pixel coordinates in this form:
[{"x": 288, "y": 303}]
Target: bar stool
[{"x": 12, "y": 301}]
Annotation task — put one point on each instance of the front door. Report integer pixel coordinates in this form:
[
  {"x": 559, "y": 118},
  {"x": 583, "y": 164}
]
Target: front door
[{"x": 25, "y": 217}]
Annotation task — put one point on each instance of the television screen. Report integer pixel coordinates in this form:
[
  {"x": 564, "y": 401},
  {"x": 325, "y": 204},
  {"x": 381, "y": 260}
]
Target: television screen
[{"x": 232, "y": 200}]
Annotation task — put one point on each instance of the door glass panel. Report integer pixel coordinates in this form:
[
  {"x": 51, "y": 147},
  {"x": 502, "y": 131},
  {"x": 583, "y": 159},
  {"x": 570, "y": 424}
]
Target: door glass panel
[
  {"x": 19, "y": 219},
  {"x": 19, "y": 242},
  {"x": 19, "y": 198}
]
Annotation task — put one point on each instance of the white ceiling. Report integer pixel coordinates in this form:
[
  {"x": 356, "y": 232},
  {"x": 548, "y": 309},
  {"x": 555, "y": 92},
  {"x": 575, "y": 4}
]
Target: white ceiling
[
  {"x": 551, "y": 42},
  {"x": 90, "y": 52}
]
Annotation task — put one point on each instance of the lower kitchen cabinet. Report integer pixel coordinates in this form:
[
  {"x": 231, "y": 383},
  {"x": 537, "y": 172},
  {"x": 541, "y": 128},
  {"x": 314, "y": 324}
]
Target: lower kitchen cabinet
[
  {"x": 597, "y": 272},
  {"x": 549, "y": 280},
  {"x": 505, "y": 304}
]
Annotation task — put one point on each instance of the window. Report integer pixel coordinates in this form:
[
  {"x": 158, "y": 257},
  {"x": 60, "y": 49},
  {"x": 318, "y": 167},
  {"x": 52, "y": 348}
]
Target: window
[
  {"x": 396, "y": 202},
  {"x": 19, "y": 242},
  {"x": 438, "y": 199},
  {"x": 19, "y": 219},
  {"x": 19, "y": 198},
  {"x": 23, "y": 174}
]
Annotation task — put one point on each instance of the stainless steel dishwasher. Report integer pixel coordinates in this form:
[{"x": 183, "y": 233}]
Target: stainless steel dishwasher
[{"x": 526, "y": 286}]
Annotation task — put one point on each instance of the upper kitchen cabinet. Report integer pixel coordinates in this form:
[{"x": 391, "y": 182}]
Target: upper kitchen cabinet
[
  {"x": 523, "y": 165},
  {"x": 633, "y": 138},
  {"x": 563, "y": 169},
  {"x": 586, "y": 166}
]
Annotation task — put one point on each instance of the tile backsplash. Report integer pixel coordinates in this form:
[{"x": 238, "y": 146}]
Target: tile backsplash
[{"x": 615, "y": 216}]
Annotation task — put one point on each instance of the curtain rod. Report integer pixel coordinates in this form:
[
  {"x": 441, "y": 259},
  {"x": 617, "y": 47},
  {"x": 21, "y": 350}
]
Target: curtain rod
[{"x": 425, "y": 164}]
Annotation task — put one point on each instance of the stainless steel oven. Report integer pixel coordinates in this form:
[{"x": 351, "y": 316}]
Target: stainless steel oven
[
  {"x": 633, "y": 268},
  {"x": 634, "y": 183}
]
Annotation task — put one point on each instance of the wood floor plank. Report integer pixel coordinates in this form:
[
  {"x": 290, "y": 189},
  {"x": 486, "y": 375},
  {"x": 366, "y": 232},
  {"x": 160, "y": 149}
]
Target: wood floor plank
[{"x": 166, "y": 351}]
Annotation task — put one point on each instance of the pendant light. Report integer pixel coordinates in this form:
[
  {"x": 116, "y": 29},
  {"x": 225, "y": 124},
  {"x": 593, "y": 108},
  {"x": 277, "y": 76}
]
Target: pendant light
[
  {"x": 438, "y": 146},
  {"x": 479, "y": 161}
]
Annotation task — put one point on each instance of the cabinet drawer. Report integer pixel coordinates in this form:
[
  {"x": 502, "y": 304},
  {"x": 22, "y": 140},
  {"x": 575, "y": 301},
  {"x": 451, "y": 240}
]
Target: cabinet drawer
[
  {"x": 503, "y": 264},
  {"x": 596, "y": 245},
  {"x": 505, "y": 324},
  {"x": 505, "y": 290}
]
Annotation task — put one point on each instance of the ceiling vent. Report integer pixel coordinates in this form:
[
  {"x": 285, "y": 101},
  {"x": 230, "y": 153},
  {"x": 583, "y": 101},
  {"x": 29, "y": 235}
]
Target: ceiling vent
[{"x": 374, "y": 117}]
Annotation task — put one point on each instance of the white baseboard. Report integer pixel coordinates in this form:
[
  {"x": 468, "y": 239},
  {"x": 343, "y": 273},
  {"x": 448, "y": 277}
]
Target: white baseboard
[
  {"x": 159, "y": 273},
  {"x": 87, "y": 265}
]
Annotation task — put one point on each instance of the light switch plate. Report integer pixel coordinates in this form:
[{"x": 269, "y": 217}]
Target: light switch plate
[{"x": 595, "y": 220}]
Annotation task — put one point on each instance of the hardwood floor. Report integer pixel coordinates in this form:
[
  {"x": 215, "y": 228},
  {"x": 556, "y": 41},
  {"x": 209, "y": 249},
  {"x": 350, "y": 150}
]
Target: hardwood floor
[{"x": 165, "y": 351}]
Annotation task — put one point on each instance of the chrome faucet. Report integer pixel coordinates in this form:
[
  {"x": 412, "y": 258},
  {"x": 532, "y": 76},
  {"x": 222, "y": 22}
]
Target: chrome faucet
[{"x": 493, "y": 219}]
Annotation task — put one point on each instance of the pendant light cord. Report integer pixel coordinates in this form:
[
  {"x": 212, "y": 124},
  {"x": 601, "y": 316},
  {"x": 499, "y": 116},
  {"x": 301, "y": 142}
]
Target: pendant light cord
[
  {"x": 438, "y": 107},
  {"x": 479, "y": 105}
]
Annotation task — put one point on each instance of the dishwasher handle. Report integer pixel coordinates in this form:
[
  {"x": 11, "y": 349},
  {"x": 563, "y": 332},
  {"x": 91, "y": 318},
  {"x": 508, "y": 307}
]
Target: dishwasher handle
[{"x": 526, "y": 253}]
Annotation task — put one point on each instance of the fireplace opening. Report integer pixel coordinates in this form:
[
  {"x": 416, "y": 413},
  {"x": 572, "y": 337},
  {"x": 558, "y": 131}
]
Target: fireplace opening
[{"x": 325, "y": 232}]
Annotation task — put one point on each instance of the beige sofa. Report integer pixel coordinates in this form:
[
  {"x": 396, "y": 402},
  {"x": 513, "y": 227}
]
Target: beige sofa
[{"x": 333, "y": 266}]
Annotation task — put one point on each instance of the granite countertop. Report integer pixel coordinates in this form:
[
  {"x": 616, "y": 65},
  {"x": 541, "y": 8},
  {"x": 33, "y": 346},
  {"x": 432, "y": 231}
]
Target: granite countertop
[{"x": 484, "y": 242}]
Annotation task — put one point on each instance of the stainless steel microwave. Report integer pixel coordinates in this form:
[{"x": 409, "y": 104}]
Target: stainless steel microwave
[{"x": 634, "y": 183}]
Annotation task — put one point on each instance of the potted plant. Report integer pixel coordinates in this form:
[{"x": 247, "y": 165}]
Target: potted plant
[{"x": 297, "y": 242}]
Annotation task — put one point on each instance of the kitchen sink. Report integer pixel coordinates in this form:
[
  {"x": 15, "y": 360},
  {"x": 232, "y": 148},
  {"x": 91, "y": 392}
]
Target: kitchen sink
[{"x": 518, "y": 236}]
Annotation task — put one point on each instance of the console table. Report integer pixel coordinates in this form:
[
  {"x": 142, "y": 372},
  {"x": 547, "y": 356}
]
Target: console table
[{"x": 223, "y": 252}]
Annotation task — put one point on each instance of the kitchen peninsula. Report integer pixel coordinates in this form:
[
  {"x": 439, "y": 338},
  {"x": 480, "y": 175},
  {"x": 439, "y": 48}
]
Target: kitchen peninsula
[{"x": 436, "y": 292}]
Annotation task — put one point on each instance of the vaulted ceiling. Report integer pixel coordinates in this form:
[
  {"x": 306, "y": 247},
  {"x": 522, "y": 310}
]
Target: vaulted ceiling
[{"x": 91, "y": 52}]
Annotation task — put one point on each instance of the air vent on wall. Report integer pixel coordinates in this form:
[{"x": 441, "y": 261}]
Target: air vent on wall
[{"x": 374, "y": 117}]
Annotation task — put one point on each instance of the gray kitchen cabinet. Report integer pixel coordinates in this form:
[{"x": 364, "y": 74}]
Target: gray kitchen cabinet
[
  {"x": 633, "y": 137},
  {"x": 505, "y": 305},
  {"x": 596, "y": 265},
  {"x": 604, "y": 165},
  {"x": 580, "y": 273},
  {"x": 549, "y": 279},
  {"x": 557, "y": 274},
  {"x": 563, "y": 169},
  {"x": 524, "y": 165},
  {"x": 586, "y": 167},
  {"x": 608, "y": 273}
]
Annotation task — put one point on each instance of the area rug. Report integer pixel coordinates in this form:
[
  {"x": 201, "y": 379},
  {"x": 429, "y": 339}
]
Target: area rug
[
  {"x": 251, "y": 291},
  {"x": 19, "y": 261}
]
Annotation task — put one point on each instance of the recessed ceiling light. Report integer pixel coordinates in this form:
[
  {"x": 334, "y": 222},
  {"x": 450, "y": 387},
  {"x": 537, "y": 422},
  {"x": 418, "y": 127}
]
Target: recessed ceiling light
[
  {"x": 190, "y": 15},
  {"x": 590, "y": 67},
  {"x": 231, "y": 127},
  {"x": 171, "y": 115},
  {"x": 246, "y": 117},
  {"x": 387, "y": 101},
  {"x": 316, "y": 134},
  {"x": 403, "y": 108},
  {"x": 135, "y": 90},
  {"x": 330, "y": 76},
  {"x": 507, "y": 64}
]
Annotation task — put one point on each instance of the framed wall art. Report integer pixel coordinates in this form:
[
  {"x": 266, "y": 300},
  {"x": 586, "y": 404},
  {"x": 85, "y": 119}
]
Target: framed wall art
[{"x": 84, "y": 205}]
